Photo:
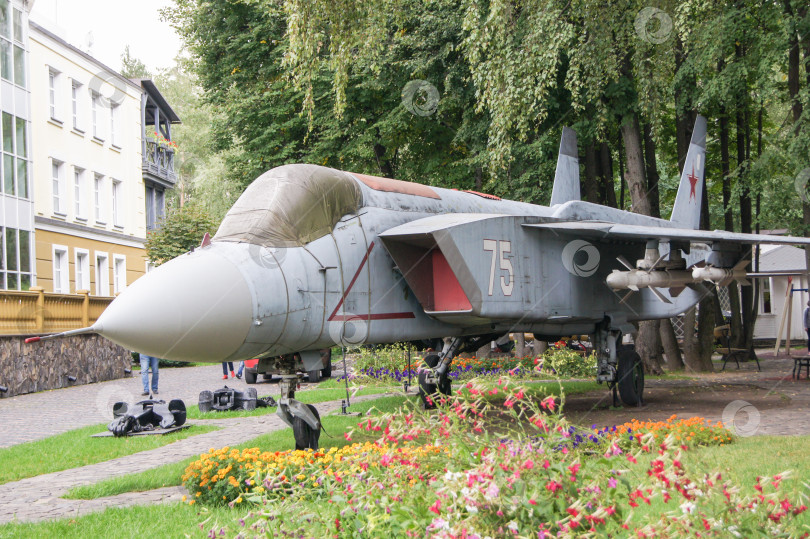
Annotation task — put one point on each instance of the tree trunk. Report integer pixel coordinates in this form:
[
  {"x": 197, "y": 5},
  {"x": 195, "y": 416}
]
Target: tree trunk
[
  {"x": 591, "y": 179},
  {"x": 683, "y": 126},
  {"x": 648, "y": 341},
  {"x": 606, "y": 167},
  {"x": 648, "y": 346},
  {"x": 737, "y": 336},
  {"x": 520, "y": 345},
  {"x": 706, "y": 334},
  {"x": 691, "y": 347},
  {"x": 622, "y": 182},
  {"x": 479, "y": 178},
  {"x": 672, "y": 354},
  {"x": 636, "y": 177},
  {"x": 743, "y": 153},
  {"x": 651, "y": 168}
]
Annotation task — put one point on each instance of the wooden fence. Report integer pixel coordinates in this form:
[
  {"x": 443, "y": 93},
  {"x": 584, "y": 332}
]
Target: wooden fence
[{"x": 34, "y": 311}]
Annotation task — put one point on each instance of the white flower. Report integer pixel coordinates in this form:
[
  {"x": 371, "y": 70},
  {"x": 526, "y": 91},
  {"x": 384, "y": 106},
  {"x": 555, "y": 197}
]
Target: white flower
[
  {"x": 452, "y": 476},
  {"x": 688, "y": 508},
  {"x": 471, "y": 509},
  {"x": 440, "y": 524},
  {"x": 513, "y": 526}
]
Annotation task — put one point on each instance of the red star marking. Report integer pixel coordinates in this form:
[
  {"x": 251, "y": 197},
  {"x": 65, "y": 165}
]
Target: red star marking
[{"x": 692, "y": 182}]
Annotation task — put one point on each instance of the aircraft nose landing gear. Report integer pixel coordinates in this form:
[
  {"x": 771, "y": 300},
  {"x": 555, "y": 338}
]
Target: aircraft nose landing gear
[{"x": 303, "y": 418}]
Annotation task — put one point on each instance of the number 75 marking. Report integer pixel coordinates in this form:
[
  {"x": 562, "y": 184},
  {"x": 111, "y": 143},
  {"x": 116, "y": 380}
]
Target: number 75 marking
[{"x": 499, "y": 250}]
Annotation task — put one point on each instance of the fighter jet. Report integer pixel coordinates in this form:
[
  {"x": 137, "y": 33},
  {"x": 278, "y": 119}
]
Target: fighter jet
[{"x": 311, "y": 257}]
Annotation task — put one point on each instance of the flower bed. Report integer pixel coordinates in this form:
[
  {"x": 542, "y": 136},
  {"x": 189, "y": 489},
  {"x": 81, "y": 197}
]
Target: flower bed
[
  {"x": 472, "y": 468},
  {"x": 694, "y": 431}
]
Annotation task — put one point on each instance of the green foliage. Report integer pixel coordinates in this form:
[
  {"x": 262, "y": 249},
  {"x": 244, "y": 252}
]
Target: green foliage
[
  {"x": 132, "y": 67},
  {"x": 569, "y": 364},
  {"x": 392, "y": 357},
  {"x": 181, "y": 230}
]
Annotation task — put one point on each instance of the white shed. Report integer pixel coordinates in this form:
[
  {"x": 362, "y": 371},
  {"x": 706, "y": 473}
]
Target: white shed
[{"x": 772, "y": 292}]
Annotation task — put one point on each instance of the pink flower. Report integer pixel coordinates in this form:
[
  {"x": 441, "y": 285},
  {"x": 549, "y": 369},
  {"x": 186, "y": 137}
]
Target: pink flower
[
  {"x": 612, "y": 482},
  {"x": 553, "y": 486},
  {"x": 436, "y": 507},
  {"x": 546, "y": 464},
  {"x": 347, "y": 436},
  {"x": 519, "y": 394}
]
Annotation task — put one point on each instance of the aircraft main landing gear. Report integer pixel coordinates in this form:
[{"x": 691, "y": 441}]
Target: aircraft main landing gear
[
  {"x": 431, "y": 381},
  {"x": 620, "y": 366},
  {"x": 303, "y": 418}
]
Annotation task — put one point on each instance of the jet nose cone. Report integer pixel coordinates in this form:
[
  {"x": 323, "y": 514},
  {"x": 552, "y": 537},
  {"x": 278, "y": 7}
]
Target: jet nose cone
[{"x": 197, "y": 307}]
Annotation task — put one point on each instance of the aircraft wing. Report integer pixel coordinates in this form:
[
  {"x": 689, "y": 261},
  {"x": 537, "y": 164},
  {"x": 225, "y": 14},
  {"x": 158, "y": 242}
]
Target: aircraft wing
[{"x": 598, "y": 229}]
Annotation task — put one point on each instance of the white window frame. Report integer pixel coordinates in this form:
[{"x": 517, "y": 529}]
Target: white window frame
[
  {"x": 61, "y": 278},
  {"x": 58, "y": 187},
  {"x": 115, "y": 122},
  {"x": 80, "y": 193},
  {"x": 53, "y": 94},
  {"x": 119, "y": 279},
  {"x": 102, "y": 273},
  {"x": 766, "y": 283},
  {"x": 117, "y": 192},
  {"x": 98, "y": 196},
  {"x": 95, "y": 116},
  {"x": 76, "y": 104},
  {"x": 81, "y": 269}
]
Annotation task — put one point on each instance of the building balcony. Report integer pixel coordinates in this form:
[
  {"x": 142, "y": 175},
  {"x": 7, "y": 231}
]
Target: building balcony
[{"x": 158, "y": 162}]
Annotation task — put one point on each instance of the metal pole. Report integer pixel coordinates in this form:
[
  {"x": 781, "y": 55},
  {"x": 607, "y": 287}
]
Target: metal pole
[
  {"x": 346, "y": 376},
  {"x": 409, "y": 366}
]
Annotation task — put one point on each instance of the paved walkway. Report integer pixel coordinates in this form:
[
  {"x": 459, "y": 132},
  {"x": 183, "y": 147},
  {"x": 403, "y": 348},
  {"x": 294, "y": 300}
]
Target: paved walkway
[
  {"x": 38, "y": 498},
  {"x": 38, "y": 415}
]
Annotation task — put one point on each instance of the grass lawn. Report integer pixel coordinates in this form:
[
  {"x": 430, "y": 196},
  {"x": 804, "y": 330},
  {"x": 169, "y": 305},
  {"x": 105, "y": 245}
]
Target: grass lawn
[
  {"x": 279, "y": 440},
  {"x": 165, "y": 520},
  {"x": 76, "y": 448}
]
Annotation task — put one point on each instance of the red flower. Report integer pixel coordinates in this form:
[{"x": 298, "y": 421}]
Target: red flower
[{"x": 436, "y": 507}]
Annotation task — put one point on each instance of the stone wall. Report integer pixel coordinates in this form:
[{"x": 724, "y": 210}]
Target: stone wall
[{"x": 26, "y": 368}]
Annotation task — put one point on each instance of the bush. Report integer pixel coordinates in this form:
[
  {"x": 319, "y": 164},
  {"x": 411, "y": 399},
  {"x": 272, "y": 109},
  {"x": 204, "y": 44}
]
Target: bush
[
  {"x": 567, "y": 363},
  {"x": 393, "y": 357}
]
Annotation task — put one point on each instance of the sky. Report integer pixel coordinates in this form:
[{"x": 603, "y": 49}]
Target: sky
[{"x": 114, "y": 24}]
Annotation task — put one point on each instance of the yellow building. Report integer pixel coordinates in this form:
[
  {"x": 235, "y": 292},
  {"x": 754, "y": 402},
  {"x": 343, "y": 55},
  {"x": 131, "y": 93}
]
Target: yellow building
[{"x": 102, "y": 159}]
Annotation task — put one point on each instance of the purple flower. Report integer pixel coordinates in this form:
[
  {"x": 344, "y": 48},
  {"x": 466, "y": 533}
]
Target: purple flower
[{"x": 612, "y": 482}]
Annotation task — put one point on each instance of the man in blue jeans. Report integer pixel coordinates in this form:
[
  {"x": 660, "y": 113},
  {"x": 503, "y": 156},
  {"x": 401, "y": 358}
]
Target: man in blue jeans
[{"x": 146, "y": 362}]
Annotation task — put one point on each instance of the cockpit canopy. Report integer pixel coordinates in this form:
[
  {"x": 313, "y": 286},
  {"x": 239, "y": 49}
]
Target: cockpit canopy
[{"x": 290, "y": 206}]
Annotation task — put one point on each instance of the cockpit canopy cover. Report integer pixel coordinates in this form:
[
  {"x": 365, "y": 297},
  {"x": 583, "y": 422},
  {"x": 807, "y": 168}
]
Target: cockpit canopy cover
[{"x": 290, "y": 206}]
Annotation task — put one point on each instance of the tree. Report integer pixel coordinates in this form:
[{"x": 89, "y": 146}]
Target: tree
[
  {"x": 322, "y": 81},
  {"x": 132, "y": 67},
  {"x": 180, "y": 231}
]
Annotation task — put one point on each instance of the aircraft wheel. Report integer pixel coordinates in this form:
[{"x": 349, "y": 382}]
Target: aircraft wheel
[
  {"x": 326, "y": 356},
  {"x": 432, "y": 360},
  {"x": 425, "y": 390},
  {"x": 630, "y": 376},
  {"x": 305, "y": 436},
  {"x": 250, "y": 377},
  {"x": 206, "y": 402},
  {"x": 249, "y": 401},
  {"x": 314, "y": 376},
  {"x": 178, "y": 410},
  {"x": 445, "y": 385}
]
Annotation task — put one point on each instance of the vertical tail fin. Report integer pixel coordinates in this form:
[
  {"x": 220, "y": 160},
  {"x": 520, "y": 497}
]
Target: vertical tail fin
[
  {"x": 686, "y": 211},
  {"x": 566, "y": 178}
]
